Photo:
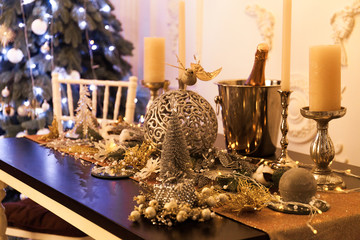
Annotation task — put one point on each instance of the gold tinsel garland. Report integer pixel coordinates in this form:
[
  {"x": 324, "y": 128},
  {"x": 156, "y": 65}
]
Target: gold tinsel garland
[
  {"x": 138, "y": 156},
  {"x": 250, "y": 196}
]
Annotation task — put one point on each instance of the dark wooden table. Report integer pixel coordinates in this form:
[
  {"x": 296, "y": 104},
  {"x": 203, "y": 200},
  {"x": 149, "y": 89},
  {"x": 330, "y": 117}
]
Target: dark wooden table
[{"x": 96, "y": 206}]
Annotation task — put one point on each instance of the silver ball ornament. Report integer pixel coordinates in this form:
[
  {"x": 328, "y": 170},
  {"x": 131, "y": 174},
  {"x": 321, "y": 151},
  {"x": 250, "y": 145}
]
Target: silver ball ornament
[
  {"x": 15, "y": 55},
  {"x": 22, "y": 111},
  {"x": 45, "y": 106},
  {"x": 5, "y": 92}
]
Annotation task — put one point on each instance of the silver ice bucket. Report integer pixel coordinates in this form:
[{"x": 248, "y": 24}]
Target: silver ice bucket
[{"x": 251, "y": 116}]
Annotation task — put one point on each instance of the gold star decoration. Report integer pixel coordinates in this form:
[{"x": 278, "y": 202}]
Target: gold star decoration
[{"x": 54, "y": 132}]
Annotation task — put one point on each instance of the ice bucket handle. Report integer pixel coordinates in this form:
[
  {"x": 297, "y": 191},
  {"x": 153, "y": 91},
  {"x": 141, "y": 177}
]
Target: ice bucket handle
[{"x": 218, "y": 101}]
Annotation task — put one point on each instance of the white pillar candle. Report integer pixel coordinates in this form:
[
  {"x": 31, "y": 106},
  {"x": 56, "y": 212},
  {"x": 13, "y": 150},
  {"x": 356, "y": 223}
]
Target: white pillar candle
[
  {"x": 325, "y": 78},
  {"x": 286, "y": 46},
  {"x": 153, "y": 17},
  {"x": 181, "y": 41},
  {"x": 154, "y": 59}
]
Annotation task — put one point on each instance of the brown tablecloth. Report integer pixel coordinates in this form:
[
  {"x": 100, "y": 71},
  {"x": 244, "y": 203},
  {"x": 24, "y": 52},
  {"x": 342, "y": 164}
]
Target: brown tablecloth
[{"x": 341, "y": 221}]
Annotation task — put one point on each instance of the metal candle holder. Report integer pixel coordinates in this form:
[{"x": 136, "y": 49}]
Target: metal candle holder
[
  {"x": 154, "y": 89},
  {"x": 284, "y": 158},
  {"x": 322, "y": 150}
]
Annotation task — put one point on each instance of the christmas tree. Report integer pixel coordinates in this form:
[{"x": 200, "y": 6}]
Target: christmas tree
[
  {"x": 85, "y": 122},
  {"x": 175, "y": 158},
  {"x": 77, "y": 38}
]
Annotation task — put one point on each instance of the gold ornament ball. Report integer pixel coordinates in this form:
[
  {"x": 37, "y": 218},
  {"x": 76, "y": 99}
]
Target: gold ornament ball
[
  {"x": 169, "y": 206},
  {"x": 181, "y": 216},
  {"x": 206, "y": 191},
  {"x": 140, "y": 199},
  {"x": 154, "y": 203},
  {"x": 134, "y": 216},
  {"x": 206, "y": 214},
  {"x": 211, "y": 201},
  {"x": 150, "y": 212},
  {"x": 223, "y": 198},
  {"x": 198, "y": 120}
]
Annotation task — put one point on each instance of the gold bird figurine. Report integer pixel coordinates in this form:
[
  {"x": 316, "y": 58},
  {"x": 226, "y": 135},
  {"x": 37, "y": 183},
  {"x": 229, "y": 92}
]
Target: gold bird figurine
[{"x": 196, "y": 71}]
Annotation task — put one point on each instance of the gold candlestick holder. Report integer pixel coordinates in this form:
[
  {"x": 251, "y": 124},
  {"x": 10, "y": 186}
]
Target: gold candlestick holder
[
  {"x": 322, "y": 150},
  {"x": 284, "y": 159},
  {"x": 154, "y": 89}
]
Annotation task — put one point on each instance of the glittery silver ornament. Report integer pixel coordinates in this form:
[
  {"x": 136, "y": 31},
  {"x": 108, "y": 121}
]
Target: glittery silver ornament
[
  {"x": 180, "y": 192},
  {"x": 198, "y": 118}
]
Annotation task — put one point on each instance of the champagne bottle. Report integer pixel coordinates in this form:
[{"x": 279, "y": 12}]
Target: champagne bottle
[{"x": 257, "y": 75}]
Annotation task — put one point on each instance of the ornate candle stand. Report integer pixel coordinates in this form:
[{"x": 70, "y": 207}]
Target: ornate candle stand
[
  {"x": 322, "y": 149},
  {"x": 154, "y": 89},
  {"x": 284, "y": 158}
]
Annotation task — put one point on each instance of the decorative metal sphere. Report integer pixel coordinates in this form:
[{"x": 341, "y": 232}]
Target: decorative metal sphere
[
  {"x": 297, "y": 185},
  {"x": 198, "y": 119}
]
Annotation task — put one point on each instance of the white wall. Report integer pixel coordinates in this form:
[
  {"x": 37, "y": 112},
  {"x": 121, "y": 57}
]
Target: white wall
[{"x": 230, "y": 37}]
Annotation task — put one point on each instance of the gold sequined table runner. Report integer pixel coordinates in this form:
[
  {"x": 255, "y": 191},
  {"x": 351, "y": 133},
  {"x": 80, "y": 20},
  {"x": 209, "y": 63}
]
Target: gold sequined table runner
[{"x": 341, "y": 221}]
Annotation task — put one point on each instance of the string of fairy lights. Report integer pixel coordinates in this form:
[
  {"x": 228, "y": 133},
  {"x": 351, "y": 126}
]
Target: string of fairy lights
[{"x": 43, "y": 27}]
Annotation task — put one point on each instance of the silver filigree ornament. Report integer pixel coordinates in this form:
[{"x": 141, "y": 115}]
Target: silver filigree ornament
[{"x": 198, "y": 120}]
